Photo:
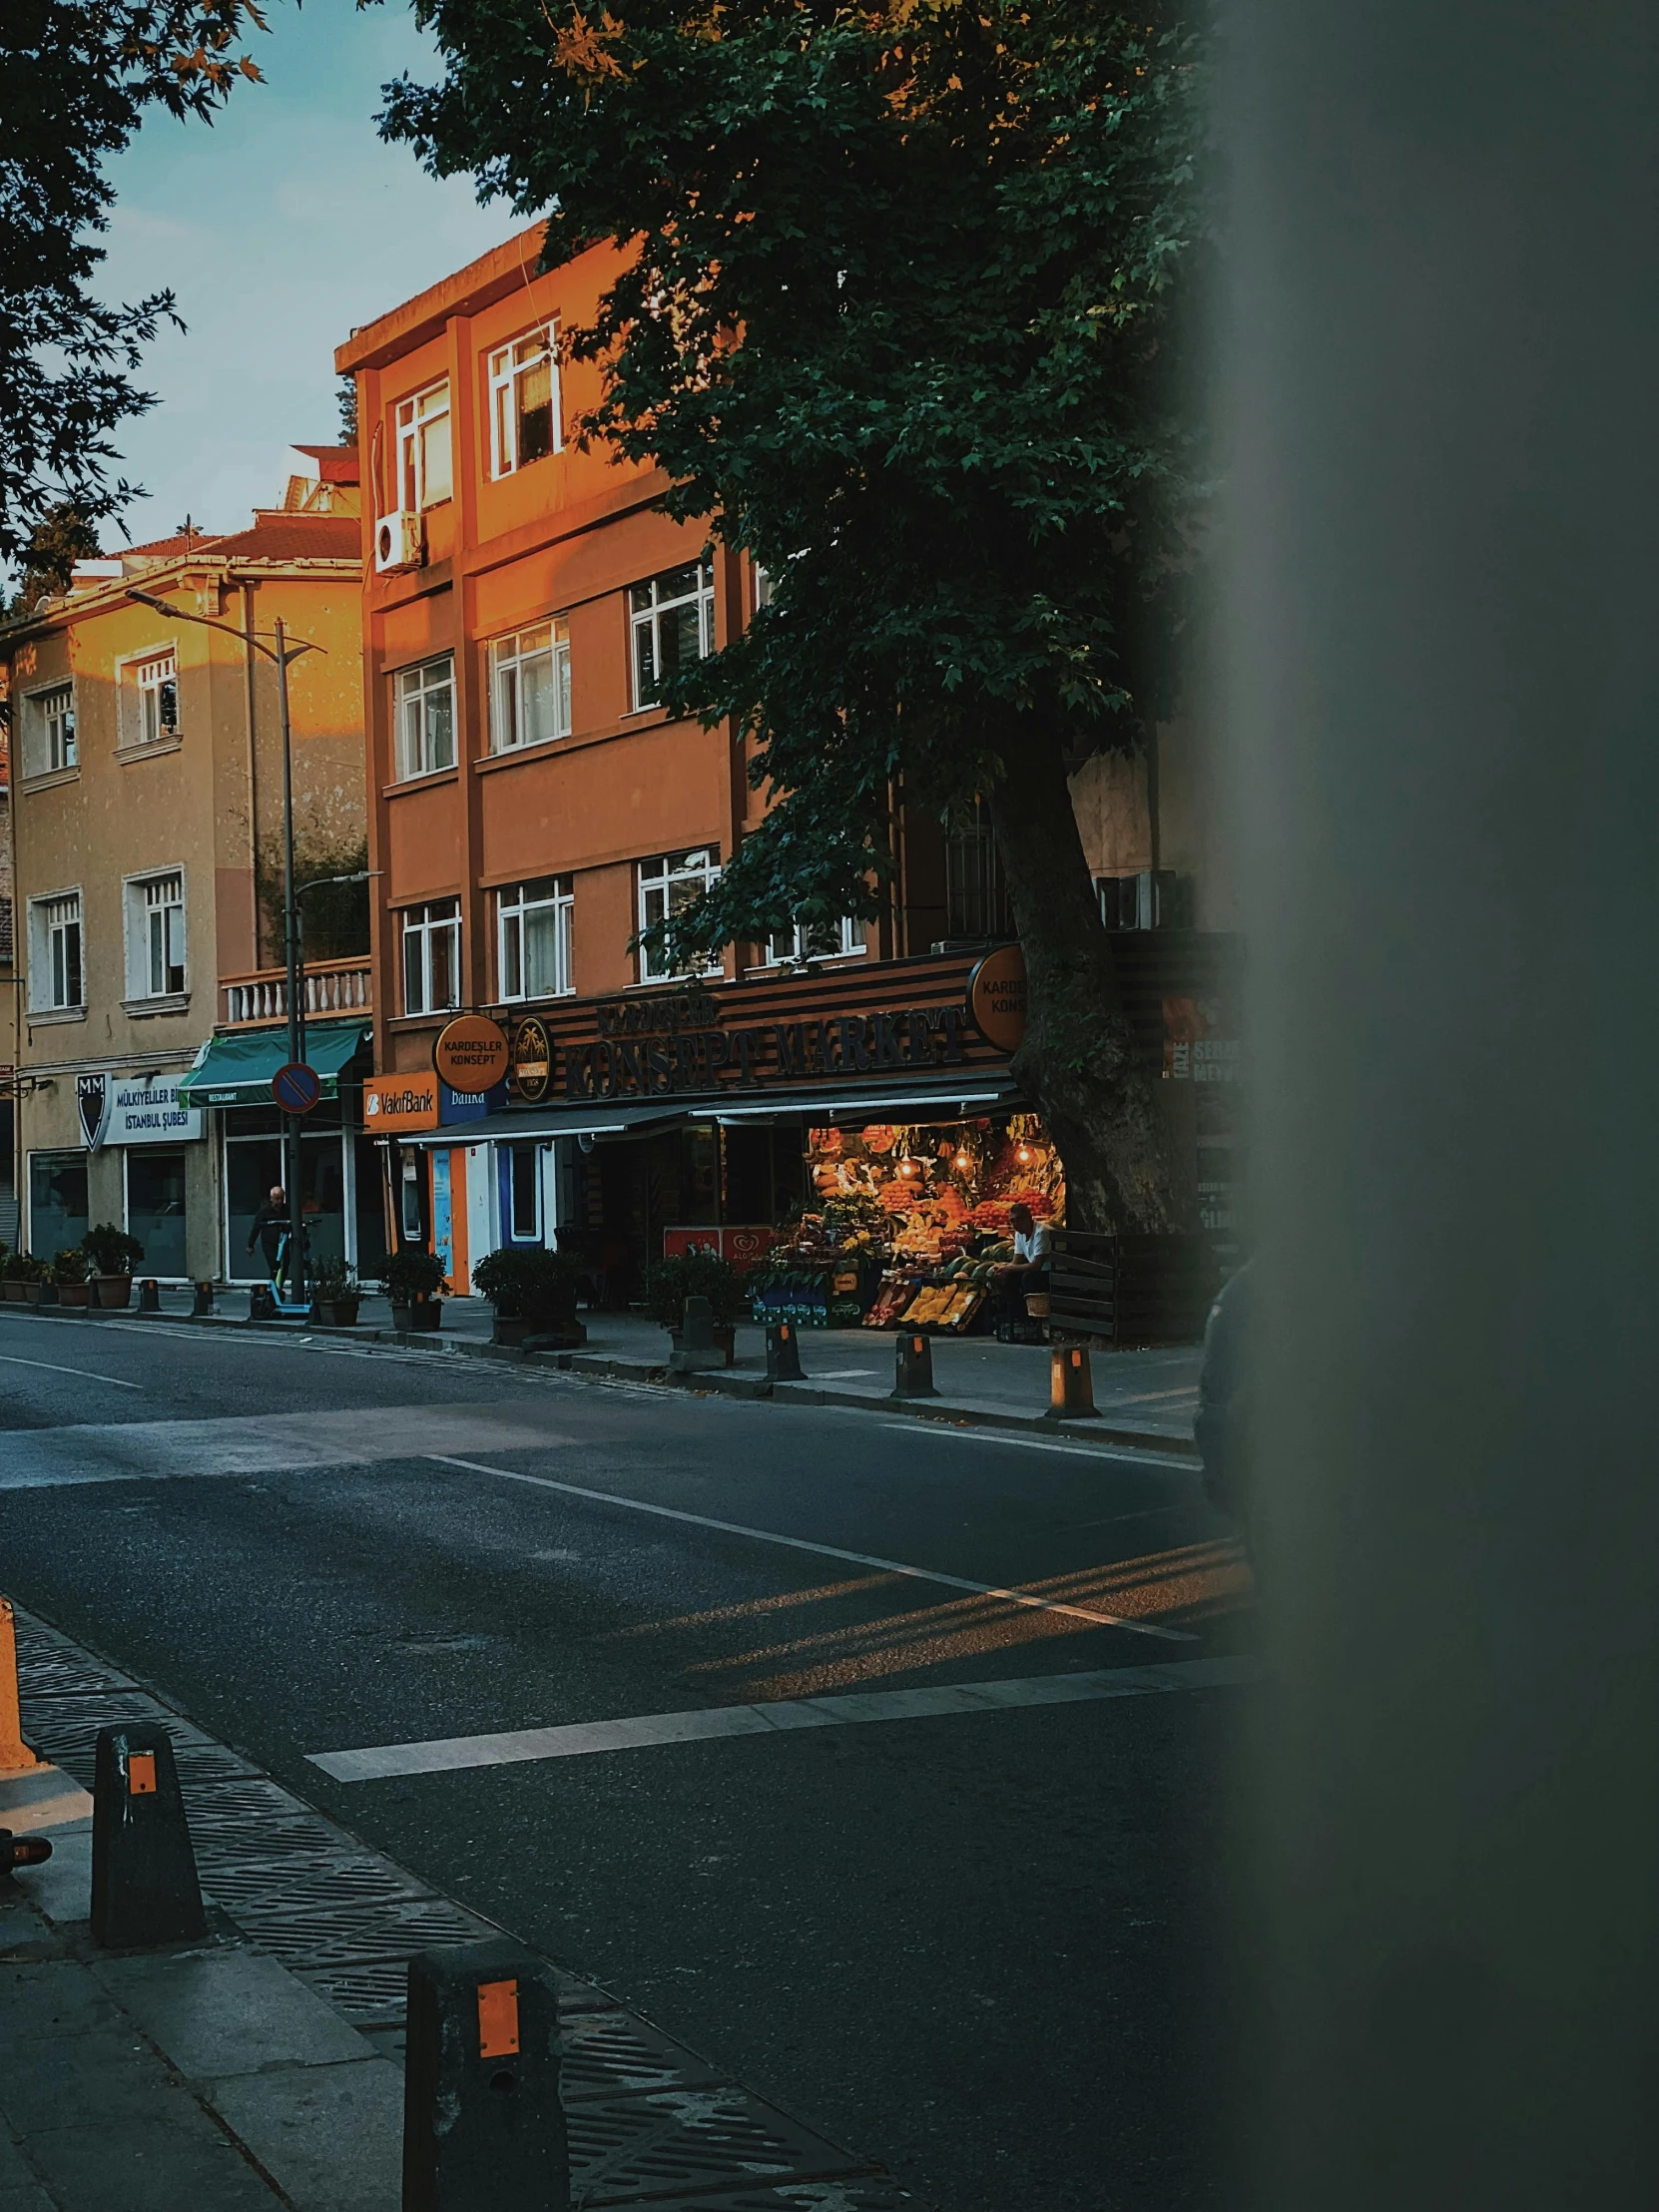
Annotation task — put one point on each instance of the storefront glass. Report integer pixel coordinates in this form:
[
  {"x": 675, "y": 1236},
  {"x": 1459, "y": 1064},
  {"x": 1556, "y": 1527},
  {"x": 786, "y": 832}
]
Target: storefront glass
[
  {"x": 252, "y": 1164},
  {"x": 57, "y": 1202},
  {"x": 155, "y": 1207}
]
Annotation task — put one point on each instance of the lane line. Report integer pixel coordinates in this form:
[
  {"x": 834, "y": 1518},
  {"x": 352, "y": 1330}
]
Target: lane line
[
  {"x": 1182, "y": 1464},
  {"x": 514, "y": 1747},
  {"x": 12, "y": 1360},
  {"x": 825, "y": 1551}
]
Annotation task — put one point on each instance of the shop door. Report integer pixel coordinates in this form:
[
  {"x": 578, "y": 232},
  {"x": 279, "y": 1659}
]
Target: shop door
[
  {"x": 155, "y": 1207},
  {"x": 252, "y": 1165}
]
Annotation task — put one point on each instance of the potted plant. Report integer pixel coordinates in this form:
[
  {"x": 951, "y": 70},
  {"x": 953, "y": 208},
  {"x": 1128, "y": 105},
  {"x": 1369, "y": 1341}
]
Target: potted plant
[
  {"x": 336, "y": 1293},
  {"x": 114, "y": 1255},
  {"x": 533, "y": 1292},
  {"x": 671, "y": 1281},
  {"x": 13, "y": 1267},
  {"x": 24, "y": 1274},
  {"x": 69, "y": 1272},
  {"x": 415, "y": 1282}
]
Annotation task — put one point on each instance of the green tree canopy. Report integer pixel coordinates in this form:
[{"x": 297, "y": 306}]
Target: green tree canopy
[
  {"x": 76, "y": 77},
  {"x": 905, "y": 317}
]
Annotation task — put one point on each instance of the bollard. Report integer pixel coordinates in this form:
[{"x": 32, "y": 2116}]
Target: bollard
[
  {"x": 783, "y": 1354},
  {"x": 21, "y": 1851},
  {"x": 204, "y": 1301},
  {"x": 914, "y": 1366},
  {"x": 144, "y": 1890},
  {"x": 150, "y": 1296},
  {"x": 15, "y": 1755},
  {"x": 261, "y": 1303},
  {"x": 483, "y": 2128},
  {"x": 1070, "y": 1389},
  {"x": 697, "y": 1347}
]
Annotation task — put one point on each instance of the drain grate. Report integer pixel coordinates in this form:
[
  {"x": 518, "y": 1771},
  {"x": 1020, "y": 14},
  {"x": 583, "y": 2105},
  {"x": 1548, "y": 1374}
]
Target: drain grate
[
  {"x": 358, "y": 1879},
  {"x": 858, "y": 2195},
  {"x": 625, "y": 2149},
  {"x": 301, "y": 1934},
  {"x": 366, "y": 1995},
  {"x": 609, "y": 2054}
]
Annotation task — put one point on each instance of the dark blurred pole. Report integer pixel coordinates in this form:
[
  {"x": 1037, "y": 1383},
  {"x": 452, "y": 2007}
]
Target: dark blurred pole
[{"x": 1440, "y": 672}]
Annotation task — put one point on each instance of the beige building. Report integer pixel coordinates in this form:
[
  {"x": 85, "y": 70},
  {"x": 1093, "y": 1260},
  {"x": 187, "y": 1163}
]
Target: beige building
[{"x": 146, "y": 854}]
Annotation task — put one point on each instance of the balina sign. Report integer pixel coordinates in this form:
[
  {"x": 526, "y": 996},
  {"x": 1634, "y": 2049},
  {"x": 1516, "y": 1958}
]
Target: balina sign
[{"x": 659, "y": 1065}]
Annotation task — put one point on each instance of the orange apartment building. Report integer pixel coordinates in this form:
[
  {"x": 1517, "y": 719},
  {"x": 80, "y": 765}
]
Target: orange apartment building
[{"x": 531, "y": 806}]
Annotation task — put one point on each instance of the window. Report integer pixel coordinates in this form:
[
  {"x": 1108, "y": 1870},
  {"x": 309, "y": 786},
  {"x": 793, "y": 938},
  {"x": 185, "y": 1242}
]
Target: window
[
  {"x": 49, "y": 731},
  {"x": 524, "y": 402},
  {"x": 977, "y": 897},
  {"x": 155, "y": 936},
  {"x": 525, "y": 1191},
  {"x": 423, "y": 467},
  {"x": 674, "y": 625},
  {"x": 151, "y": 706},
  {"x": 433, "y": 957},
  {"x": 56, "y": 979},
  {"x": 426, "y": 717},
  {"x": 813, "y": 940},
  {"x": 530, "y": 686},
  {"x": 533, "y": 943},
  {"x": 666, "y": 886}
]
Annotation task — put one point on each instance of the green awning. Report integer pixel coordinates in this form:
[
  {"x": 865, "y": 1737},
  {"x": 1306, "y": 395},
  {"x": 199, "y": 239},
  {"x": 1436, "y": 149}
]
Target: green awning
[{"x": 237, "y": 1070}]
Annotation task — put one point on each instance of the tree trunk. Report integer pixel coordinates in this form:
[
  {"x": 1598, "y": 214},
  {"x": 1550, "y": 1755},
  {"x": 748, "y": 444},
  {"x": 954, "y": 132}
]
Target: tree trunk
[{"x": 1079, "y": 1061}]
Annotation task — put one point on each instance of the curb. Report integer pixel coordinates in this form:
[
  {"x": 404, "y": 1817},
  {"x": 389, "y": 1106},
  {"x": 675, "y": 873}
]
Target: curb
[{"x": 715, "y": 1381}]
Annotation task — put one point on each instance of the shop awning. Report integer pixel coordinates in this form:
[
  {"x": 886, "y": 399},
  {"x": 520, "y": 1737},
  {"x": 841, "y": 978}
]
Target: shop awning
[
  {"x": 958, "y": 1101},
  {"x": 523, "y": 1124},
  {"x": 901, "y": 1102},
  {"x": 237, "y": 1070}
]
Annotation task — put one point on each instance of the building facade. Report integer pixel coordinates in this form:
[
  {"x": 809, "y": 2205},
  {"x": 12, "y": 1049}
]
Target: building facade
[
  {"x": 145, "y": 817},
  {"x": 533, "y": 807}
]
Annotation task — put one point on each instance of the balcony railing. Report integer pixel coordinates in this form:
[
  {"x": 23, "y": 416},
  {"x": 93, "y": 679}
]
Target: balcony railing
[{"x": 332, "y": 987}]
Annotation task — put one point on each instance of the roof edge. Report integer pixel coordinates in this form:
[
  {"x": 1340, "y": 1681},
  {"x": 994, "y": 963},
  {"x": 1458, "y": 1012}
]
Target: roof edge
[{"x": 506, "y": 268}]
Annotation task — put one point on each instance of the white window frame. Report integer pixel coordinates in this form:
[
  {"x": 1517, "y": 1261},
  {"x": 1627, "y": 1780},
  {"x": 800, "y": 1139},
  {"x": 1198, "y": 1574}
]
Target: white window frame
[
  {"x": 421, "y": 484},
  {"x": 509, "y": 657},
  {"x": 536, "y": 1232},
  {"x": 413, "y": 690},
  {"x": 647, "y": 606},
  {"x": 147, "y": 906},
  {"x": 420, "y": 926},
  {"x": 514, "y": 904},
  {"x": 52, "y": 927},
  {"x": 142, "y": 682},
  {"x": 698, "y": 866},
  {"x": 792, "y": 948},
  {"x": 506, "y": 370},
  {"x": 50, "y": 743}
]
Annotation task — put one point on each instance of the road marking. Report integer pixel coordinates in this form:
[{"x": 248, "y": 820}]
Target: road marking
[
  {"x": 826, "y": 1551},
  {"x": 451, "y": 1754},
  {"x": 1180, "y": 1463},
  {"x": 52, "y": 1368}
]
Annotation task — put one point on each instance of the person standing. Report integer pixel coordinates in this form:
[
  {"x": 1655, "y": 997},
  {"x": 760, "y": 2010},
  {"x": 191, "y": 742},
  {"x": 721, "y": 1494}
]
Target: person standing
[{"x": 271, "y": 1225}]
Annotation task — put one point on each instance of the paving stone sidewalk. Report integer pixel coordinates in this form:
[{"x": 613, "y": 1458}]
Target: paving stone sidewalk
[{"x": 263, "y": 2069}]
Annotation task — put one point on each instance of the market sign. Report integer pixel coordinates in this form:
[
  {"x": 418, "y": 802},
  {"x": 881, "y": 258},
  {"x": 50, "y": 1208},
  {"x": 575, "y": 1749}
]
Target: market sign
[
  {"x": 532, "y": 1060},
  {"x": 470, "y": 1053},
  {"x": 148, "y": 1110},
  {"x": 996, "y": 997},
  {"x": 910, "y": 1038},
  {"x": 396, "y": 1103}
]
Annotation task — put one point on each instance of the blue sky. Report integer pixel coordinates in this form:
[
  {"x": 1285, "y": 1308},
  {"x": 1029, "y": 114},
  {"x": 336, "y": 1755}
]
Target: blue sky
[{"x": 279, "y": 229}]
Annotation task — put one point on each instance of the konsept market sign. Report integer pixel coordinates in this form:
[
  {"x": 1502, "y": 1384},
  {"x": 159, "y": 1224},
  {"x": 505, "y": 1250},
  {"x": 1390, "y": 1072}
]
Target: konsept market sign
[{"x": 672, "y": 1061}]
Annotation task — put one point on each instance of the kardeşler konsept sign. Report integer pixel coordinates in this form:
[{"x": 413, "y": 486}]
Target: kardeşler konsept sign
[{"x": 666, "y": 1061}]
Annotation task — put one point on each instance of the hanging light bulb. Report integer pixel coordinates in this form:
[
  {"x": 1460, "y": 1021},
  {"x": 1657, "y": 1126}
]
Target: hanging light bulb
[
  {"x": 1024, "y": 1154},
  {"x": 963, "y": 1162}
]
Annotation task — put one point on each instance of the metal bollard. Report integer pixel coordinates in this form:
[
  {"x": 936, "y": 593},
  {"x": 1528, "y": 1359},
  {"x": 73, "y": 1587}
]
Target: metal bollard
[
  {"x": 21, "y": 1851},
  {"x": 204, "y": 1301},
  {"x": 696, "y": 1340},
  {"x": 150, "y": 1296},
  {"x": 261, "y": 1303},
  {"x": 15, "y": 1755},
  {"x": 1070, "y": 1388},
  {"x": 144, "y": 1890},
  {"x": 913, "y": 1376},
  {"x": 783, "y": 1354},
  {"x": 483, "y": 2128}
]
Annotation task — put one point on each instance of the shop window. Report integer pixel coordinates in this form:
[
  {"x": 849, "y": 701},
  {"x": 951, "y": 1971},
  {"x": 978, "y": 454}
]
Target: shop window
[
  {"x": 423, "y": 463},
  {"x": 426, "y": 717},
  {"x": 155, "y": 936},
  {"x": 49, "y": 731},
  {"x": 55, "y": 978},
  {"x": 533, "y": 922},
  {"x": 976, "y": 897},
  {"x": 155, "y": 1207},
  {"x": 813, "y": 940},
  {"x": 149, "y": 698},
  {"x": 524, "y": 1192},
  {"x": 57, "y": 1201},
  {"x": 524, "y": 402},
  {"x": 433, "y": 957},
  {"x": 530, "y": 686},
  {"x": 672, "y": 620},
  {"x": 667, "y": 887}
]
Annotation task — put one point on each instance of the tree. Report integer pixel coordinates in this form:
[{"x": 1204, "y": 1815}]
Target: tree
[
  {"x": 77, "y": 76},
  {"x": 62, "y": 537},
  {"x": 905, "y": 317}
]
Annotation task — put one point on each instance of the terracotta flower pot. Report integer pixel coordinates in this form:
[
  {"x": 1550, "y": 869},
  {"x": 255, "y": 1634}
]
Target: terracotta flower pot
[
  {"x": 74, "y": 1294},
  {"x": 112, "y": 1294},
  {"x": 420, "y": 1312},
  {"x": 339, "y": 1313}
]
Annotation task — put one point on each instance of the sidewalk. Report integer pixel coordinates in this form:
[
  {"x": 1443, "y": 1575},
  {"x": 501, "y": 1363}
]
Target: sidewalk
[
  {"x": 263, "y": 2069},
  {"x": 1144, "y": 1398}
]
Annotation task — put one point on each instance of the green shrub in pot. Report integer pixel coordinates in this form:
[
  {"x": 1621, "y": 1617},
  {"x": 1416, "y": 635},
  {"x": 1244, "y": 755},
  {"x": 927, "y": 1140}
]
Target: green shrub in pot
[
  {"x": 528, "y": 1283},
  {"x": 110, "y": 1249},
  {"x": 671, "y": 1281},
  {"x": 69, "y": 1265},
  {"x": 412, "y": 1277}
]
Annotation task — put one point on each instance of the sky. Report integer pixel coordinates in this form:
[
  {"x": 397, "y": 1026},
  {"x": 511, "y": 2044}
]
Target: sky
[{"x": 279, "y": 229}]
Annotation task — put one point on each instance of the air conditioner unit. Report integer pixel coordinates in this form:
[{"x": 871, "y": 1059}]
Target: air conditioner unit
[{"x": 400, "y": 542}]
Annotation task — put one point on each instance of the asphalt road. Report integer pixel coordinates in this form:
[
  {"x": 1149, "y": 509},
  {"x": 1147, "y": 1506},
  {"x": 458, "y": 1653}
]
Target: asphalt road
[{"x": 979, "y": 1948}]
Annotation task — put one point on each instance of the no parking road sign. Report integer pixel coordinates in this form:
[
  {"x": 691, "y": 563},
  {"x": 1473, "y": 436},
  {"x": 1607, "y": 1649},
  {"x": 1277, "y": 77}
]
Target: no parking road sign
[{"x": 297, "y": 1087}]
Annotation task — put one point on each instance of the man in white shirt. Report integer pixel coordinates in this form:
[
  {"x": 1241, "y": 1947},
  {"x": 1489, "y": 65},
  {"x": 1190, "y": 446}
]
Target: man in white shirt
[{"x": 1028, "y": 1270}]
